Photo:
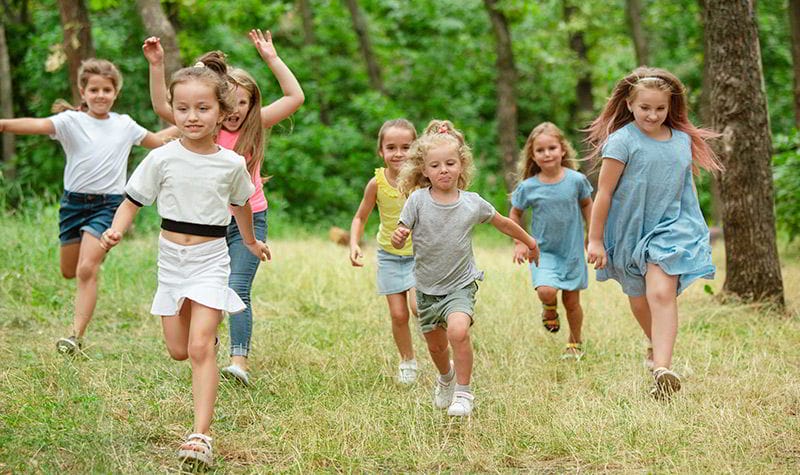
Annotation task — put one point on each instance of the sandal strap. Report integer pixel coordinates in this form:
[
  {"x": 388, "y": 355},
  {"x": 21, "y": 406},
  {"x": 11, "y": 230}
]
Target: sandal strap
[
  {"x": 548, "y": 306},
  {"x": 550, "y": 321},
  {"x": 576, "y": 346},
  {"x": 198, "y": 440}
]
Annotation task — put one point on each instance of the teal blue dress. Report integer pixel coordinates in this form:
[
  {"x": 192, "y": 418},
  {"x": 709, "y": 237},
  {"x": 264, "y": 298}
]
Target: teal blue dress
[
  {"x": 654, "y": 216},
  {"x": 557, "y": 226}
]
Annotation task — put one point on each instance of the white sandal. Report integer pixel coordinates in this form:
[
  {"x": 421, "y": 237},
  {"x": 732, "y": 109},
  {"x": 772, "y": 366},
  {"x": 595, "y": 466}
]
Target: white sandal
[{"x": 199, "y": 451}]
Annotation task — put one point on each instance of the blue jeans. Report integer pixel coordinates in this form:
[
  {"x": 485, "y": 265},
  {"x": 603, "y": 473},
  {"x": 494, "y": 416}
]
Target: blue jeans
[{"x": 243, "y": 270}]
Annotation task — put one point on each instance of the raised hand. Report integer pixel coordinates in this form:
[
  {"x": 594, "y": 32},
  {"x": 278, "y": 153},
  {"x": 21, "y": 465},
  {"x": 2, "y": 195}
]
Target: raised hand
[
  {"x": 153, "y": 51},
  {"x": 263, "y": 43}
]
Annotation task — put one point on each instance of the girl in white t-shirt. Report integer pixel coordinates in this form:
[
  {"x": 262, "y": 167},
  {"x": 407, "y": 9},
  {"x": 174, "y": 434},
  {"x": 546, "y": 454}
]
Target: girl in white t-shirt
[
  {"x": 97, "y": 143},
  {"x": 194, "y": 181}
]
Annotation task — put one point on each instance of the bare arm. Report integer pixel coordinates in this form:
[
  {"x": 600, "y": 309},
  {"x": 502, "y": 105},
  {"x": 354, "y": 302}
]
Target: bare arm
[
  {"x": 157, "y": 139},
  {"x": 244, "y": 219},
  {"x": 158, "y": 86},
  {"x": 27, "y": 126},
  {"x": 610, "y": 172},
  {"x": 510, "y": 228},
  {"x": 360, "y": 220},
  {"x": 123, "y": 219},
  {"x": 586, "y": 211},
  {"x": 293, "y": 96},
  {"x": 520, "y": 249}
]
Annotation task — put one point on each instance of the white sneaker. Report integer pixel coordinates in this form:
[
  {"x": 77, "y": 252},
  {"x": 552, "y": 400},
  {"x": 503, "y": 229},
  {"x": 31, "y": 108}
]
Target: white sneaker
[
  {"x": 443, "y": 392},
  {"x": 462, "y": 404},
  {"x": 408, "y": 372},
  {"x": 235, "y": 373}
]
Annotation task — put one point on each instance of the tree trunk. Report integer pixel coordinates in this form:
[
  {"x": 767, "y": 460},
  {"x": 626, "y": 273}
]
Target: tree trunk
[
  {"x": 582, "y": 111},
  {"x": 739, "y": 112},
  {"x": 77, "y": 39},
  {"x": 633, "y": 13},
  {"x": 794, "y": 20},
  {"x": 6, "y": 104},
  {"x": 506, "y": 94},
  {"x": 156, "y": 23},
  {"x": 360, "y": 25},
  {"x": 310, "y": 40}
]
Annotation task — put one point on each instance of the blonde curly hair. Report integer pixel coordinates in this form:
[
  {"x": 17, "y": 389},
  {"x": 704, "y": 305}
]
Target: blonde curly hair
[{"x": 438, "y": 133}]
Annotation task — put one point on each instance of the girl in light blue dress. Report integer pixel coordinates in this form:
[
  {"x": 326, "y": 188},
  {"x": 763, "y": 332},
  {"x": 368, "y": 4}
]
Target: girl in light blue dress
[
  {"x": 560, "y": 200},
  {"x": 647, "y": 231}
]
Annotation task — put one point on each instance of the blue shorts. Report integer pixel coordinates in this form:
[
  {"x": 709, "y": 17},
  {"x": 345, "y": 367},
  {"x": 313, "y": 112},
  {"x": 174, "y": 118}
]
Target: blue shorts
[
  {"x": 81, "y": 212},
  {"x": 395, "y": 273}
]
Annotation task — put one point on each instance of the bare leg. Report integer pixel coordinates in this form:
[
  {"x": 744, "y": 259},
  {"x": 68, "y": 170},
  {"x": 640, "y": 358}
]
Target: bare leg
[
  {"x": 548, "y": 296},
  {"x": 69, "y": 259},
  {"x": 412, "y": 301},
  {"x": 398, "y": 310},
  {"x": 641, "y": 311},
  {"x": 90, "y": 257},
  {"x": 438, "y": 348},
  {"x": 205, "y": 377},
  {"x": 572, "y": 303},
  {"x": 458, "y": 336},
  {"x": 176, "y": 332},
  {"x": 662, "y": 297}
]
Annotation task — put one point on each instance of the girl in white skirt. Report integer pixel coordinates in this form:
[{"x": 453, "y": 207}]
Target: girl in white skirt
[{"x": 194, "y": 181}]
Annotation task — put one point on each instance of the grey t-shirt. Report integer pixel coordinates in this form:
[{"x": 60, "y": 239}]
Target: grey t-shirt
[{"x": 443, "y": 260}]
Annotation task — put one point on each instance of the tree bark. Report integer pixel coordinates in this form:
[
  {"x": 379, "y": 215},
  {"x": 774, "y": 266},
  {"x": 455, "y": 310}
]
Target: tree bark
[
  {"x": 506, "y": 93},
  {"x": 156, "y": 23},
  {"x": 633, "y": 13},
  {"x": 309, "y": 41},
  {"x": 360, "y": 26},
  {"x": 77, "y": 39},
  {"x": 6, "y": 103},
  {"x": 739, "y": 111},
  {"x": 582, "y": 111},
  {"x": 794, "y": 20}
]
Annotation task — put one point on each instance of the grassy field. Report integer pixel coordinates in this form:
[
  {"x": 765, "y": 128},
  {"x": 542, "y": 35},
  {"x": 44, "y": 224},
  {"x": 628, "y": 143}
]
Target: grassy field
[{"x": 323, "y": 397}]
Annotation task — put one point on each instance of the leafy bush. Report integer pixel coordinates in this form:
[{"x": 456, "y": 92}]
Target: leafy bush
[{"x": 786, "y": 175}]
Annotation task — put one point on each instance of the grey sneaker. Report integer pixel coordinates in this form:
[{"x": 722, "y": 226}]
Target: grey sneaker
[
  {"x": 443, "y": 392},
  {"x": 666, "y": 383},
  {"x": 408, "y": 372},
  {"x": 68, "y": 346},
  {"x": 461, "y": 405},
  {"x": 236, "y": 373}
]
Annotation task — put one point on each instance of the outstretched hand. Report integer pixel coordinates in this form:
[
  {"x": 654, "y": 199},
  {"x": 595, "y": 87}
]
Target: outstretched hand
[
  {"x": 263, "y": 43},
  {"x": 153, "y": 50},
  {"x": 109, "y": 239}
]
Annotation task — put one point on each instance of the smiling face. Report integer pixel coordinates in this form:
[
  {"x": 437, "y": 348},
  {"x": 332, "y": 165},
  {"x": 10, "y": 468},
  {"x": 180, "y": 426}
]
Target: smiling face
[
  {"x": 394, "y": 147},
  {"x": 650, "y": 107},
  {"x": 234, "y": 121},
  {"x": 443, "y": 167},
  {"x": 196, "y": 110},
  {"x": 99, "y": 95},
  {"x": 548, "y": 152}
]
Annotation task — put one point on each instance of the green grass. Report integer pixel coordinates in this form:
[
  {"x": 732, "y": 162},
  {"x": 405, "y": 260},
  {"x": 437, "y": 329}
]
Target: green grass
[{"x": 323, "y": 397}]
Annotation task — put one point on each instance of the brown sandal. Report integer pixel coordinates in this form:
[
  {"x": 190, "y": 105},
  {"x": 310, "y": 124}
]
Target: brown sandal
[{"x": 551, "y": 324}]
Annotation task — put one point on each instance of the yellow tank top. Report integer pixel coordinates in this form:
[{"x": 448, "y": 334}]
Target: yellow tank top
[{"x": 390, "y": 203}]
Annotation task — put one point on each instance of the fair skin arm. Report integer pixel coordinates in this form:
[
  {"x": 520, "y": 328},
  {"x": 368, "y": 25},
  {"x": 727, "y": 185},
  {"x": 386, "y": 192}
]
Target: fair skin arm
[
  {"x": 293, "y": 96},
  {"x": 512, "y": 229},
  {"x": 154, "y": 54},
  {"x": 586, "y": 211},
  {"x": 123, "y": 219},
  {"x": 360, "y": 220},
  {"x": 610, "y": 172},
  {"x": 244, "y": 219},
  {"x": 520, "y": 249},
  {"x": 27, "y": 126}
]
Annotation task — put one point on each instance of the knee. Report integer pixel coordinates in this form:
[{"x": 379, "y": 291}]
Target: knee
[
  {"x": 547, "y": 294},
  {"x": 436, "y": 347},
  {"x": 86, "y": 271},
  {"x": 458, "y": 335},
  {"x": 178, "y": 353},
  {"x": 660, "y": 296},
  {"x": 399, "y": 317},
  {"x": 67, "y": 273},
  {"x": 200, "y": 349}
]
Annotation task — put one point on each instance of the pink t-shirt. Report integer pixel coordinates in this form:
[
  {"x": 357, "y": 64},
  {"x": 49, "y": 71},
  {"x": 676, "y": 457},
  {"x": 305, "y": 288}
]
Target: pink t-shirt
[{"x": 258, "y": 202}]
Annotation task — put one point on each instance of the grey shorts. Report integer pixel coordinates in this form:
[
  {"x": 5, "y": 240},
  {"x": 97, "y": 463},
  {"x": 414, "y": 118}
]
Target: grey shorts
[{"x": 434, "y": 309}]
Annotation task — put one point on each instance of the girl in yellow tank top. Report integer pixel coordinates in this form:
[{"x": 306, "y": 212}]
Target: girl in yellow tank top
[{"x": 395, "y": 276}]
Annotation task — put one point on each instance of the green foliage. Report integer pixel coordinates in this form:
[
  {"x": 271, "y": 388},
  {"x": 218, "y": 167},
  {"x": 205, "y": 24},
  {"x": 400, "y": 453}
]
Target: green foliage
[{"x": 786, "y": 176}]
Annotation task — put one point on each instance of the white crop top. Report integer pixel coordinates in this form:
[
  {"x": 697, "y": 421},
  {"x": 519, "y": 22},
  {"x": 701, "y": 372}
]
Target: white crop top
[{"x": 190, "y": 187}]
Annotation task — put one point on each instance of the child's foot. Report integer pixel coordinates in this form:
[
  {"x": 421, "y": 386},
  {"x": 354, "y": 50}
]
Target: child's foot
[
  {"x": 68, "y": 346},
  {"x": 573, "y": 351},
  {"x": 666, "y": 383},
  {"x": 550, "y": 317},
  {"x": 408, "y": 372},
  {"x": 196, "y": 453},
  {"x": 461, "y": 405},
  {"x": 235, "y": 373},
  {"x": 443, "y": 391},
  {"x": 648, "y": 358}
]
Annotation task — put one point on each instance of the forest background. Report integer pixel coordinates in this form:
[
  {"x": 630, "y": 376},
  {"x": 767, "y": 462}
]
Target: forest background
[{"x": 361, "y": 63}]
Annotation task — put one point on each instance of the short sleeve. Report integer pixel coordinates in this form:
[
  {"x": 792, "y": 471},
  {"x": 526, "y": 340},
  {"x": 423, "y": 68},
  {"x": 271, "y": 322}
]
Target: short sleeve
[
  {"x": 616, "y": 147},
  {"x": 518, "y": 197},
  {"x": 136, "y": 131},
  {"x": 61, "y": 124},
  {"x": 584, "y": 187},
  {"x": 145, "y": 183},
  {"x": 242, "y": 187},
  {"x": 485, "y": 210},
  {"x": 408, "y": 216}
]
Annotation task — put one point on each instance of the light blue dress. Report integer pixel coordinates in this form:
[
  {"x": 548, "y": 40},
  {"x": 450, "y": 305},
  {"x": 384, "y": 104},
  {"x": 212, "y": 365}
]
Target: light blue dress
[
  {"x": 654, "y": 216},
  {"x": 557, "y": 225}
]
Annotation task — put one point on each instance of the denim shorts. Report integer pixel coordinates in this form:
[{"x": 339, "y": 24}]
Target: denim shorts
[
  {"x": 81, "y": 212},
  {"x": 434, "y": 309},
  {"x": 395, "y": 273}
]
